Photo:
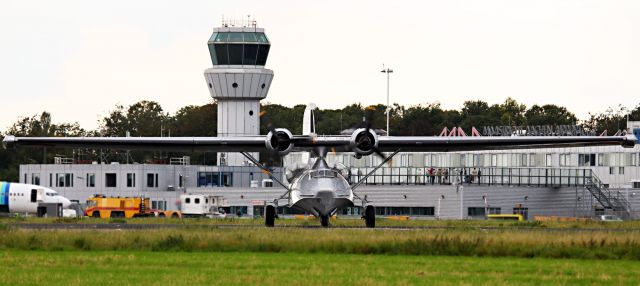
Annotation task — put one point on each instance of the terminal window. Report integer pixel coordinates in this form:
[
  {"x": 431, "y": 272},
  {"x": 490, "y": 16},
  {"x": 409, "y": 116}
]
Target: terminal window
[
  {"x": 482, "y": 211},
  {"x": 565, "y": 159},
  {"x": 110, "y": 180},
  {"x": 412, "y": 211},
  {"x": 159, "y": 205},
  {"x": 586, "y": 159},
  {"x": 91, "y": 180},
  {"x": 215, "y": 179},
  {"x": 237, "y": 210},
  {"x": 64, "y": 180},
  {"x": 131, "y": 180},
  {"x": 152, "y": 180},
  {"x": 352, "y": 211},
  {"x": 35, "y": 179}
]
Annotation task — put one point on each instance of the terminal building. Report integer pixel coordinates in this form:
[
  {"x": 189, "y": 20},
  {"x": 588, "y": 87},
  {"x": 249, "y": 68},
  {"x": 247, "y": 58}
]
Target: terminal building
[
  {"x": 581, "y": 181},
  {"x": 566, "y": 182}
]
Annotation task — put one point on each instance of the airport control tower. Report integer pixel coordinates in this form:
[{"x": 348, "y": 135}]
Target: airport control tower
[{"x": 238, "y": 80}]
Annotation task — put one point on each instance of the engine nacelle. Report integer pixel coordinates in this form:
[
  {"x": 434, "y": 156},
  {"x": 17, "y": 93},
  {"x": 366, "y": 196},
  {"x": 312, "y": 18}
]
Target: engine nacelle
[
  {"x": 279, "y": 141},
  {"x": 364, "y": 143}
]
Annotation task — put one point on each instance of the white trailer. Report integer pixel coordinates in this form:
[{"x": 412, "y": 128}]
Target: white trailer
[{"x": 198, "y": 205}]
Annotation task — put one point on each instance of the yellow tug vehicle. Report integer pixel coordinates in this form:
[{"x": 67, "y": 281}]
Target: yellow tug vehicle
[{"x": 100, "y": 206}]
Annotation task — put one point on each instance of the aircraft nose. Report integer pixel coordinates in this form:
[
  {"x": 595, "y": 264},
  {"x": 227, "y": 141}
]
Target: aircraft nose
[{"x": 65, "y": 203}]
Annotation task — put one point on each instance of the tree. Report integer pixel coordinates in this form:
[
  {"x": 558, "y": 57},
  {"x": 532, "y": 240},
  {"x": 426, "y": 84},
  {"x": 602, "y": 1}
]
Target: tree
[
  {"x": 195, "y": 120},
  {"x": 549, "y": 114},
  {"x": 511, "y": 112},
  {"x": 605, "y": 121},
  {"x": 116, "y": 124},
  {"x": 281, "y": 117},
  {"x": 478, "y": 114},
  {"x": 144, "y": 118},
  {"x": 634, "y": 114},
  {"x": 37, "y": 125},
  {"x": 426, "y": 120}
]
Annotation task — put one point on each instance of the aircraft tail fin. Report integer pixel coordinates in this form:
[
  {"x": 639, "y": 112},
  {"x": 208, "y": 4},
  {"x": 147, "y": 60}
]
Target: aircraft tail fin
[{"x": 309, "y": 120}]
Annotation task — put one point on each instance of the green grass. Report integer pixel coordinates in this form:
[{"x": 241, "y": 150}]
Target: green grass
[
  {"x": 201, "y": 253},
  {"x": 453, "y": 242},
  {"x": 230, "y": 268}
]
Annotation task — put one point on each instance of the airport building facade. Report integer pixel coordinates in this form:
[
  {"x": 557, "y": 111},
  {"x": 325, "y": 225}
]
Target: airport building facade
[{"x": 550, "y": 182}]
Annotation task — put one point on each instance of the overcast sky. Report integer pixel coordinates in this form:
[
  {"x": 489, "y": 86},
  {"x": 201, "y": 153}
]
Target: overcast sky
[{"x": 78, "y": 59}]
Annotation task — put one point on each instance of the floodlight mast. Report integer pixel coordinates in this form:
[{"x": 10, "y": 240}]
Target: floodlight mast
[{"x": 388, "y": 71}]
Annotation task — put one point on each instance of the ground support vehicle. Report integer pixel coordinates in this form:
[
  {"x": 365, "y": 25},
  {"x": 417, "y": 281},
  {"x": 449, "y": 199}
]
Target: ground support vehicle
[
  {"x": 198, "y": 205},
  {"x": 100, "y": 206}
]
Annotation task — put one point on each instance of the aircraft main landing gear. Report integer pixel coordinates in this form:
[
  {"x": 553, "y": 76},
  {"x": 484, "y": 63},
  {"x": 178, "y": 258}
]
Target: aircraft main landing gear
[
  {"x": 269, "y": 216},
  {"x": 370, "y": 216}
]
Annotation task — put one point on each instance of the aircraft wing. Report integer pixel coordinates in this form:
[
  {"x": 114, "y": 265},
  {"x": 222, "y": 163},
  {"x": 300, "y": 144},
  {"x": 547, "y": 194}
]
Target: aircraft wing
[
  {"x": 177, "y": 144},
  {"x": 446, "y": 144},
  {"x": 311, "y": 143}
]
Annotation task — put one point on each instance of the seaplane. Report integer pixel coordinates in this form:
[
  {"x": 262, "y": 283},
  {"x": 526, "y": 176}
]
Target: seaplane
[{"x": 317, "y": 187}]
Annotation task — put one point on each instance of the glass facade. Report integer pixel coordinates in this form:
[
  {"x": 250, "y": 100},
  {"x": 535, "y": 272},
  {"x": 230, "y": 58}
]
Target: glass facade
[
  {"x": 64, "y": 180},
  {"x": 239, "y": 48},
  {"x": 215, "y": 179},
  {"x": 482, "y": 211},
  {"x": 239, "y": 37}
]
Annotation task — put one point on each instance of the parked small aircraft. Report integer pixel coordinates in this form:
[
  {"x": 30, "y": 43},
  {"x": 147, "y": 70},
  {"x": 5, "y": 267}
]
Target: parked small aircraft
[{"x": 24, "y": 198}]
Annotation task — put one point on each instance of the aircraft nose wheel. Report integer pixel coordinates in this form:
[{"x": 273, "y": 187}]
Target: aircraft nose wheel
[
  {"x": 324, "y": 220},
  {"x": 269, "y": 216},
  {"x": 370, "y": 216}
]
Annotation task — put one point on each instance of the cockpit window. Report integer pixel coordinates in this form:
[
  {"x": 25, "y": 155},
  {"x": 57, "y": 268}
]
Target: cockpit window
[
  {"x": 319, "y": 180},
  {"x": 323, "y": 174}
]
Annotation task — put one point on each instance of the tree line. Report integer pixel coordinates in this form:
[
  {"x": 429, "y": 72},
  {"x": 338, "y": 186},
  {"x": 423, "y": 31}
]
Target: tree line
[{"x": 148, "y": 118}]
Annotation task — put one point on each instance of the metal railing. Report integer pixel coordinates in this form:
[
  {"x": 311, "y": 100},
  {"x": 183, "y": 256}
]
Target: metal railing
[
  {"x": 609, "y": 199},
  {"x": 185, "y": 160},
  {"x": 537, "y": 177}
]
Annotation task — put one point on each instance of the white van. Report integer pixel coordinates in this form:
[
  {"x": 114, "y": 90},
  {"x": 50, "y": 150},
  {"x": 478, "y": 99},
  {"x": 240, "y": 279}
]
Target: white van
[{"x": 197, "y": 205}]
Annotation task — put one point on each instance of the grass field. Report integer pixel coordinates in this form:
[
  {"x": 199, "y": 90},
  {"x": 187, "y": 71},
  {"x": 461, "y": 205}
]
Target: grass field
[
  {"x": 465, "y": 253},
  {"x": 230, "y": 268},
  {"x": 453, "y": 242}
]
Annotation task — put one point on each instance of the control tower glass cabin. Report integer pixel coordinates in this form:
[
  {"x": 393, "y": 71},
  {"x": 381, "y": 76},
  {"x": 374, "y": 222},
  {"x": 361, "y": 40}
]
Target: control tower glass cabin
[{"x": 239, "y": 48}]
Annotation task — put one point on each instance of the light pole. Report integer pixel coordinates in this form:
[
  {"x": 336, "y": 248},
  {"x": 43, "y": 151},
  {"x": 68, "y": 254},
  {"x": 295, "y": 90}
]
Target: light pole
[
  {"x": 388, "y": 71},
  {"x": 609, "y": 111},
  {"x": 624, "y": 109}
]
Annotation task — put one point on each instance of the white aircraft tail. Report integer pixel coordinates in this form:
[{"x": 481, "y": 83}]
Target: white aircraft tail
[{"x": 309, "y": 120}]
